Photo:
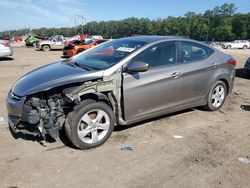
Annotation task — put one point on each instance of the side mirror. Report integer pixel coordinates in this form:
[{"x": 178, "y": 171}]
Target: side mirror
[{"x": 136, "y": 66}]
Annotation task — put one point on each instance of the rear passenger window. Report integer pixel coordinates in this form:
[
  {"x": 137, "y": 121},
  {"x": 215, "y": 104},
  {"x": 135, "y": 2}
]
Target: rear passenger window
[{"x": 193, "y": 52}]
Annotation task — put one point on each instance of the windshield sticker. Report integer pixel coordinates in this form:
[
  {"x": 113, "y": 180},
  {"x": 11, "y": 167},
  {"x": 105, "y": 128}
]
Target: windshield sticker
[{"x": 125, "y": 49}]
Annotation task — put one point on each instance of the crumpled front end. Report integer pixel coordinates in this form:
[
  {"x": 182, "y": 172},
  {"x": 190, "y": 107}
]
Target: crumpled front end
[{"x": 36, "y": 115}]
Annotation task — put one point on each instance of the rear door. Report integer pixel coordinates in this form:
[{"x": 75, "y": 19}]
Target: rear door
[
  {"x": 149, "y": 93},
  {"x": 197, "y": 68}
]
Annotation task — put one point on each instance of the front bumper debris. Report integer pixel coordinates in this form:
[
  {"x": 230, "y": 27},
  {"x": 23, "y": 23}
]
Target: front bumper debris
[
  {"x": 17, "y": 118},
  {"x": 17, "y": 127}
]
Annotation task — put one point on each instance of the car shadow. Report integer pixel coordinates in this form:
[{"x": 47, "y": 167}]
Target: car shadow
[
  {"x": 64, "y": 139},
  {"x": 62, "y": 136},
  {"x": 240, "y": 74},
  {"x": 124, "y": 127},
  {"x": 6, "y": 58},
  {"x": 65, "y": 57}
]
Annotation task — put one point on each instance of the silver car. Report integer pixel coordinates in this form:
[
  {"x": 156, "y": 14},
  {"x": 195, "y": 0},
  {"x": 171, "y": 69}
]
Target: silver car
[
  {"x": 53, "y": 43},
  {"x": 5, "y": 49},
  {"x": 119, "y": 82}
]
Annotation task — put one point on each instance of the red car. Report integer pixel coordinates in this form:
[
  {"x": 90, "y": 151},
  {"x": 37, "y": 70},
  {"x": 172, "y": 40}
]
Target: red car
[{"x": 17, "y": 39}]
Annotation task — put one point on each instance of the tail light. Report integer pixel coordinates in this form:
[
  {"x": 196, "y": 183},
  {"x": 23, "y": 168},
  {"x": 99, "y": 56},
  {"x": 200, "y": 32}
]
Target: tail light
[
  {"x": 6, "y": 44},
  {"x": 232, "y": 62}
]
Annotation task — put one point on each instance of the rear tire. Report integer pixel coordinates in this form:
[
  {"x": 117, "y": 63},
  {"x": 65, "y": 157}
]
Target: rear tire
[
  {"x": 244, "y": 47},
  {"x": 229, "y": 47},
  {"x": 216, "y": 96},
  {"x": 46, "y": 48},
  {"x": 90, "y": 124},
  {"x": 79, "y": 51}
]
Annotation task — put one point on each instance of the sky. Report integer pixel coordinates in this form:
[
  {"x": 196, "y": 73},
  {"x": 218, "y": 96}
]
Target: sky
[{"x": 16, "y": 14}]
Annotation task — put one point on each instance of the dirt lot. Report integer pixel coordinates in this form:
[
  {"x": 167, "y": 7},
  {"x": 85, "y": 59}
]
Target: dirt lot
[{"x": 206, "y": 156}]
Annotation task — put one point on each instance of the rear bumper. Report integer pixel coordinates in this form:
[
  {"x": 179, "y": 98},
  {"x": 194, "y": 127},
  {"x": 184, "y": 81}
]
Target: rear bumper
[
  {"x": 6, "y": 52},
  {"x": 231, "y": 84},
  {"x": 247, "y": 70}
]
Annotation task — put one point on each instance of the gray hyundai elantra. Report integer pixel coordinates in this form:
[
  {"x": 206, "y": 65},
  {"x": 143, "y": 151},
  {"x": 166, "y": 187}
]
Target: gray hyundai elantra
[{"x": 119, "y": 82}]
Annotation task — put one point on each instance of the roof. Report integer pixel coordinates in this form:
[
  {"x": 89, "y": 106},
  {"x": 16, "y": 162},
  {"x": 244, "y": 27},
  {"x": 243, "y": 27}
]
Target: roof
[{"x": 149, "y": 39}]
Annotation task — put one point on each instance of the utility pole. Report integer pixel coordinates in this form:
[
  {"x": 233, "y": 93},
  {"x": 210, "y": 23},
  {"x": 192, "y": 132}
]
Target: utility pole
[
  {"x": 75, "y": 23},
  {"x": 82, "y": 19}
]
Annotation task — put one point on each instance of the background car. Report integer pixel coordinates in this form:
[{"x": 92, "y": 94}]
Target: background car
[
  {"x": 247, "y": 67},
  {"x": 53, "y": 43},
  {"x": 5, "y": 50},
  {"x": 32, "y": 40},
  {"x": 17, "y": 38},
  {"x": 4, "y": 39},
  {"x": 243, "y": 44},
  {"x": 80, "y": 46},
  {"x": 71, "y": 40}
]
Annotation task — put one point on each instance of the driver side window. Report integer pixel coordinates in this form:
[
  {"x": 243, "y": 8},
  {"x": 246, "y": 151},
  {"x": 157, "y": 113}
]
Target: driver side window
[{"x": 162, "y": 54}]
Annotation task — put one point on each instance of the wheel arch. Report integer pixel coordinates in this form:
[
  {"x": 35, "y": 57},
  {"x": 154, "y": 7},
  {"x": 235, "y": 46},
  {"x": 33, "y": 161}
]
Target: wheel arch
[
  {"x": 226, "y": 83},
  {"x": 97, "y": 97},
  {"x": 219, "y": 78}
]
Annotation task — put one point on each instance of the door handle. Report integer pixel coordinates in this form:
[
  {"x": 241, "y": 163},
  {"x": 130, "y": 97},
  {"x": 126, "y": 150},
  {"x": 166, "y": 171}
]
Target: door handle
[
  {"x": 214, "y": 65},
  {"x": 176, "y": 74}
]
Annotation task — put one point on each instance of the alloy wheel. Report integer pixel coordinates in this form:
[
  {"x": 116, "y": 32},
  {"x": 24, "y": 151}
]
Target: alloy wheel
[
  {"x": 218, "y": 96},
  {"x": 93, "y": 126}
]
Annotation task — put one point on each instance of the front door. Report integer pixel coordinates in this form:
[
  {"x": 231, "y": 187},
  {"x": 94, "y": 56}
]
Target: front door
[{"x": 149, "y": 93}]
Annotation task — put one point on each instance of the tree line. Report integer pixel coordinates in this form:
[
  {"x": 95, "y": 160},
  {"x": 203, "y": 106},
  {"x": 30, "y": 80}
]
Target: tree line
[{"x": 218, "y": 24}]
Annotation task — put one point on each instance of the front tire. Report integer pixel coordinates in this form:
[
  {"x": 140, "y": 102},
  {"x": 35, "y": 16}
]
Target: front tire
[
  {"x": 229, "y": 47},
  {"x": 90, "y": 124},
  {"x": 46, "y": 48},
  {"x": 79, "y": 51},
  {"x": 244, "y": 47},
  {"x": 216, "y": 96}
]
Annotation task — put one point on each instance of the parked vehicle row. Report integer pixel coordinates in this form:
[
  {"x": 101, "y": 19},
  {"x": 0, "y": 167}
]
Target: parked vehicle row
[
  {"x": 60, "y": 42},
  {"x": 92, "y": 92}
]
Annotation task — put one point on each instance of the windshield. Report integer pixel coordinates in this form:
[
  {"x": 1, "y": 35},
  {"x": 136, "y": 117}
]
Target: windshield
[
  {"x": 106, "y": 54},
  {"x": 88, "y": 41},
  {"x": 51, "y": 38}
]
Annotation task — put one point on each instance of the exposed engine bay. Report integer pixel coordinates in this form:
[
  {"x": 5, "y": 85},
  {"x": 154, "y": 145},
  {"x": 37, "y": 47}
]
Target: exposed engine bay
[{"x": 47, "y": 112}]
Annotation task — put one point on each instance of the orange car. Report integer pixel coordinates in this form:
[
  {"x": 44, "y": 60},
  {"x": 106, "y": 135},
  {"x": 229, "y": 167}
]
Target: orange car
[{"x": 78, "y": 47}]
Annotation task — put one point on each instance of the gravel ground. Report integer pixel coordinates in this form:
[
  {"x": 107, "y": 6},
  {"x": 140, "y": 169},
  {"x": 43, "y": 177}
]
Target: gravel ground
[{"x": 205, "y": 155}]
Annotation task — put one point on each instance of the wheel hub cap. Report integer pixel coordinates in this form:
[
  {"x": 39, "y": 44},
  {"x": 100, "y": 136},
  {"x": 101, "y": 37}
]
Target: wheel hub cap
[
  {"x": 218, "y": 96},
  {"x": 93, "y": 126}
]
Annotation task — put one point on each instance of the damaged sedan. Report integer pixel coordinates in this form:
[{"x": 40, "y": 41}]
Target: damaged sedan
[{"x": 119, "y": 82}]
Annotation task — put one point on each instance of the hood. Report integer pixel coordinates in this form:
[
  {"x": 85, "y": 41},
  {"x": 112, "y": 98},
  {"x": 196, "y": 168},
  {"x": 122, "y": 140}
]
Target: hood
[{"x": 50, "y": 76}]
